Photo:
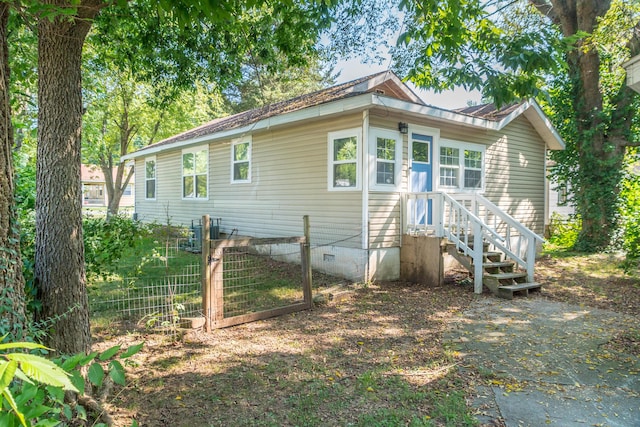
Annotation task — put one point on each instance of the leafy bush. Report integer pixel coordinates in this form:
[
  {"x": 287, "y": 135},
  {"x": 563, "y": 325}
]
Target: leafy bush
[
  {"x": 105, "y": 241},
  {"x": 32, "y": 388},
  {"x": 563, "y": 231},
  {"x": 630, "y": 214}
]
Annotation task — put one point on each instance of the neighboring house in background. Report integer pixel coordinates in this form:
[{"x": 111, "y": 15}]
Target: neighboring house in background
[
  {"x": 558, "y": 197},
  {"x": 368, "y": 154},
  {"x": 94, "y": 191},
  {"x": 633, "y": 73}
]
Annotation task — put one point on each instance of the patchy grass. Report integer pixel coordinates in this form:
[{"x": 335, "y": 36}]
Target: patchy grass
[
  {"x": 373, "y": 359},
  {"x": 376, "y": 358},
  {"x": 594, "y": 280}
]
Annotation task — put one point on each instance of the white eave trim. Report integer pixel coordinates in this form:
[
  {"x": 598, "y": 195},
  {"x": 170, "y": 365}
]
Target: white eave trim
[{"x": 357, "y": 103}]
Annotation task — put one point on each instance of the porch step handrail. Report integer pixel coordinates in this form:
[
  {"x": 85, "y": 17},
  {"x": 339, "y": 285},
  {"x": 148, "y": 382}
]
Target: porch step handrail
[{"x": 455, "y": 221}]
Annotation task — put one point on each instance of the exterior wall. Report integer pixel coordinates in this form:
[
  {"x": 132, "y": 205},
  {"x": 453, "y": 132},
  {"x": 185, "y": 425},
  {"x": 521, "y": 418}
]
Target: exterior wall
[
  {"x": 288, "y": 181},
  {"x": 515, "y": 174}
]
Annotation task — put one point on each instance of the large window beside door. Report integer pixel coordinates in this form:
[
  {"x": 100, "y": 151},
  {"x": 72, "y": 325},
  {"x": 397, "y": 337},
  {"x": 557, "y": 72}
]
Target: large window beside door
[
  {"x": 195, "y": 173},
  {"x": 461, "y": 166},
  {"x": 386, "y": 146},
  {"x": 344, "y": 160}
]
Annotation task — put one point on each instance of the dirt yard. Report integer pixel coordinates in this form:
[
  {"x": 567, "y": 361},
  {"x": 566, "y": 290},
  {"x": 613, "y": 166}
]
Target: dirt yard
[{"x": 374, "y": 358}]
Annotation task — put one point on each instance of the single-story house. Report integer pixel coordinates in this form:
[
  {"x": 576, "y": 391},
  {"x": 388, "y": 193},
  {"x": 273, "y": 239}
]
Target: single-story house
[
  {"x": 94, "y": 190},
  {"x": 369, "y": 154}
]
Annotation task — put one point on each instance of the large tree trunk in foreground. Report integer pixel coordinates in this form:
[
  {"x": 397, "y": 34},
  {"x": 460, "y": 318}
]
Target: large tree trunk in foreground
[
  {"x": 11, "y": 280},
  {"x": 59, "y": 267}
]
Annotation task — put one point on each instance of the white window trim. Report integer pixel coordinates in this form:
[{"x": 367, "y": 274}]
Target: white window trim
[
  {"x": 155, "y": 178},
  {"x": 391, "y": 134},
  {"x": 187, "y": 151},
  {"x": 460, "y": 146},
  {"x": 345, "y": 133},
  {"x": 246, "y": 140}
]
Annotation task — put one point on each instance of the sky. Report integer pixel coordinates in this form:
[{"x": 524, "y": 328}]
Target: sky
[{"x": 354, "y": 68}]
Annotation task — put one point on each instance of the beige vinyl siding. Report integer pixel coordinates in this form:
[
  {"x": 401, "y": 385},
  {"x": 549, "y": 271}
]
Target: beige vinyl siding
[
  {"x": 514, "y": 166},
  {"x": 515, "y": 174},
  {"x": 385, "y": 225},
  {"x": 288, "y": 180}
]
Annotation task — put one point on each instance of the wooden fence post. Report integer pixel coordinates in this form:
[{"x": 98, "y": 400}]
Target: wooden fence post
[
  {"x": 305, "y": 253},
  {"x": 217, "y": 288},
  {"x": 206, "y": 272}
]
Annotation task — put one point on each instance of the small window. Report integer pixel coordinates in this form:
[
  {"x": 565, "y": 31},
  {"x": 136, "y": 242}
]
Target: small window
[
  {"x": 461, "y": 166},
  {"x": 241, "y": 161},
  {"x": 195, "y": 173},
  {"x": 386, "y": 145},
  {"x": 563, "y": 195},
  {"x": 344, "y": 164},
  {"x": 150, "y": 178},
  {"x": 128, "y": 190}
]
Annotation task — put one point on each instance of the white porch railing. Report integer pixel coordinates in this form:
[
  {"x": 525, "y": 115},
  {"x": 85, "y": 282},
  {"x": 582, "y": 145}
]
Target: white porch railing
[{"x": 458, "y": 217}]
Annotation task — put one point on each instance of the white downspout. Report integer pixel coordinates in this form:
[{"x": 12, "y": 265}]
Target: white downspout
[{"x": 365, "y": 190}]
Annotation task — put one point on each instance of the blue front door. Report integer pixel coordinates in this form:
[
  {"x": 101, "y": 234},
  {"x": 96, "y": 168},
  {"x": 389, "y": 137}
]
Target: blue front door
[{"x": 420, "y": 147}]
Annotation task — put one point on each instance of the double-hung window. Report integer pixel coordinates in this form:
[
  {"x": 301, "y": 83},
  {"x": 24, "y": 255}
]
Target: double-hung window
[
  {"x": 195, "y": 173},
  {"x": 461, "y": 166},
  {"x": 344, "y": 160},
  {"x": 150, "y": 178},
  {"x": 241, "y": 161},
  {"x": 386, "y": 146}
]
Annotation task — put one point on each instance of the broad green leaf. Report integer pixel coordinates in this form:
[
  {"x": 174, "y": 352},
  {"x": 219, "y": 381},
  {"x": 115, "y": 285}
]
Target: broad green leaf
[
  {"x": 27, "y": 345},
  {"x": 72, "y": 362},
  {"x": 42, "y": 370},
  {"x": 132, "y": 350},
  {"x": 56, "y": 393},
  {"x": 96, "y": 374},
  {"x": 109, "y": 353},
  {"x": 88, "y": 358},
  {"x": 7, "y": 372},
  {"x": 9, "y": 397},
  {"x": 116, "y": 372},
  {"x": 78, "y": 380}
]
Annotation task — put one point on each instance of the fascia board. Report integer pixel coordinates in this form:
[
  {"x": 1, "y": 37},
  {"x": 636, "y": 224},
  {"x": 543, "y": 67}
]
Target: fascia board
[
  {"x": 431, "y": 112},
  {"x": 354, "y": 103},
  {"x": 543, "y": 125}
]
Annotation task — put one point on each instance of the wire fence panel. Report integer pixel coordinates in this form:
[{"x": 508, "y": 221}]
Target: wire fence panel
[
  {"x": 246, "y": 279},
  {"x": 252, "y": 279}
]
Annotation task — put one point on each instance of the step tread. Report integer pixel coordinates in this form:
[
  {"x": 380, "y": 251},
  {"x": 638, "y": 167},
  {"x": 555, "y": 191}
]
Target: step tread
[
  {"x": 521, "y": 286},
  {"x": 498, "y": 264},
  {"x": 513, "y": 275}
]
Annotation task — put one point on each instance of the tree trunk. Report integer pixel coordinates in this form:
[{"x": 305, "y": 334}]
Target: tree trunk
[
  {"x": 600, "y": 160},
  {"x": 59, "y": 265},
  {"x": 12, "y": 317}
]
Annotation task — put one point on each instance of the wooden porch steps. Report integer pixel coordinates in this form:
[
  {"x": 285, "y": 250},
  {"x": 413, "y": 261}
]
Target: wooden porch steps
[{"x": 500, "y": 275}]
